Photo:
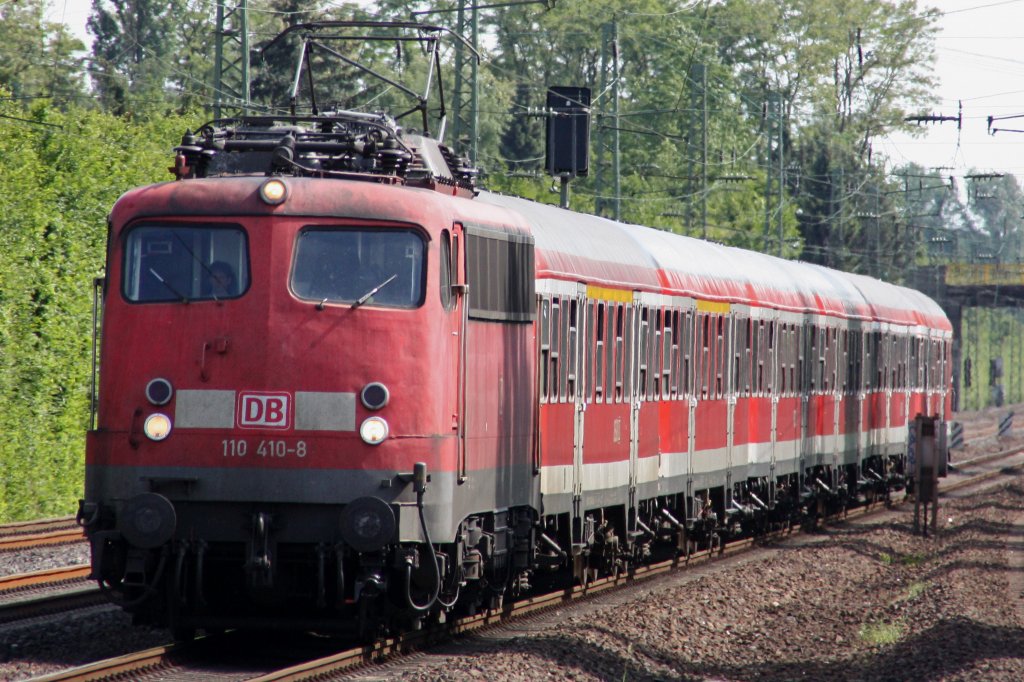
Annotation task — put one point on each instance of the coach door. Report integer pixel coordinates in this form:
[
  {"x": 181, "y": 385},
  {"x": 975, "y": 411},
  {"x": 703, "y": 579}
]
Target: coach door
[
  {"x": 775, "y": 355},
  {"x": 577, "y": 319},
  {"x": 637, "y": 331}
]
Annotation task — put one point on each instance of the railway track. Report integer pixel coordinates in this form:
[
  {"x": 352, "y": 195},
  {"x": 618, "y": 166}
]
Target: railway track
[
  {"x": 41, "y": 593},
  {"x": 181, "y": 661},
  {"x": 28, "y": 534}
]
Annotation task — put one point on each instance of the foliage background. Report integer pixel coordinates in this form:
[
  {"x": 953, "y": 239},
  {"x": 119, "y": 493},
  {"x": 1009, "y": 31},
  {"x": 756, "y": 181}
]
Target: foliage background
[
  {"x": 60, "y": 172},
  {"x": 82, "y": 124}
]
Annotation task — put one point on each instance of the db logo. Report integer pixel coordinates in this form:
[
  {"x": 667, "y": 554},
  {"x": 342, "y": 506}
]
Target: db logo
[{"x": 264, "y": 410}]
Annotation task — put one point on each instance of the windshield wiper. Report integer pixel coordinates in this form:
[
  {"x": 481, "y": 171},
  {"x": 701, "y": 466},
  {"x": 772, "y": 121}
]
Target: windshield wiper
[
  {"x": 183, "y": 297},
  {"x": 369, "y": 294}
]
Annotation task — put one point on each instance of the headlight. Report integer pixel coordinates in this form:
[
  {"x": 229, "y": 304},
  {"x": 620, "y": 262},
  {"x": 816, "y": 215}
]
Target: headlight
[
  {"x": 375, "y": 395},
  {"x": 273, "y": 192},
  {"x": 373, "y": 430},
  {"x": 157, "y": 426},
  {"x": 159, "y": 391}
]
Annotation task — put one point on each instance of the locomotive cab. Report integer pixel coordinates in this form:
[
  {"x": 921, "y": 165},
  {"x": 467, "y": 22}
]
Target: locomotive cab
[{"x": 253, "y": 452}]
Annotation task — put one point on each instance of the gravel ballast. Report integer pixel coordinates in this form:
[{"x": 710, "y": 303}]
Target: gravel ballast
[{"x": 870, "y": 600}]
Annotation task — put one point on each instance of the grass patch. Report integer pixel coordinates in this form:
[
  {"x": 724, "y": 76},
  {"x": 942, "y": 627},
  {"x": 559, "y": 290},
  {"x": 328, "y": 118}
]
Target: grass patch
[
  {"x": 910, "y": 560},
  {"x": 917, "y": 589},
  {"x": 880, "y": 634},
  {"x": 913, "y": 559}
]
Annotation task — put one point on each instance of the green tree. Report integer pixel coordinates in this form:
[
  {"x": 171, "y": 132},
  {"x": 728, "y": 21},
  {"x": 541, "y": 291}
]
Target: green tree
[
  {"x": 846, "y": 71},
  {"x": 133, "y": 52},
  {"x": 38, "y": 58}
]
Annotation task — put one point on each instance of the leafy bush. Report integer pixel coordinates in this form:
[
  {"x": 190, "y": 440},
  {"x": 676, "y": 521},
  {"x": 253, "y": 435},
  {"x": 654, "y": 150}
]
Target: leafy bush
[{"x": 60, "y": 172}]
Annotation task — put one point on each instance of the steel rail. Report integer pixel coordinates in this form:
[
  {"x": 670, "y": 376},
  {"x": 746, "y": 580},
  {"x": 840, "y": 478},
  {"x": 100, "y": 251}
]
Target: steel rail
[
  {"x": 125, "y": 666},
  {"x": 9, "y": 583},
  {"x": 56, "y": 604},
  {"x": 53, "y": 537},
  {"x": 37, "y": 526}
]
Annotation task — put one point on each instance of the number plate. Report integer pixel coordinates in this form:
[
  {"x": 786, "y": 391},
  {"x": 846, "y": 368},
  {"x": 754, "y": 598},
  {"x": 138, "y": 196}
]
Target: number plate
[{"x": 265, "y": 448}]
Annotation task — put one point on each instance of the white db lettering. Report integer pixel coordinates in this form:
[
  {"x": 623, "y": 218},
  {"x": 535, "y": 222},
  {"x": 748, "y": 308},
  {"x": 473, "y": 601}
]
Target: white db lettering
[{"x": 264, "y": 411}]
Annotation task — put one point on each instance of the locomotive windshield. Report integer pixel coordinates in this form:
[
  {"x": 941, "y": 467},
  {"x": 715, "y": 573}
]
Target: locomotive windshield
[
  {"x": 185, "y": 263},
  {"x": 352, "y": 265}
]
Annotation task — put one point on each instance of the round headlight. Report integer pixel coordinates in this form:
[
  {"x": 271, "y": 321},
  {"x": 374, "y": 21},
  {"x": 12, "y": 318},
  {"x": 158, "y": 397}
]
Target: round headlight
[
  {"x": 373, "y": 430},
  {"x": 159, "y": 391},
  {"x": 157, "y": 426},
  {"x": 375, "y": 395},
  {"x": 273, "y": 191}
]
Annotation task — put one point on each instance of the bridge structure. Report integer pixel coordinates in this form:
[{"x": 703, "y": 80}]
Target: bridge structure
[{"x": 961, "y": 287}]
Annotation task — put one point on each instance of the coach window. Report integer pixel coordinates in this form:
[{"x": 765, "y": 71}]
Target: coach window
[
  {"x": 556, "y": 348},
  {"x": 444, "y": 269},
  {"x": 721, "y": 343},
  {"x": 380, "y": 267},
  {"x": 164, "y": 263},
  {"x": 609, "y": 352},
  {"x": 629, "y": 351},
  {"x": 794, "y": 359},
  {"x": 789, "y": 352},
  {"x": 571, "y": 364},
  {"x": 821, "y": 359},
  {"x": 792, "y": 354},
  {"x": 686, "y": 348},
  {"x": 904, "y": 360},
  {"x": 704, "y": 355},
  {"x": 752, "y": 361},
  {"x": 800, "y": 385},
  {"x": 545, "y": 346},
  {"x": 656, "y": 355},
  {"x": 741, "y": 357},
  {"x": 828, "y": 383},
  {"x": 858, "y": 361},
  {"x": 897, "y": 361},
  {"x": 782, "y": 359},
  {"x": 848, "y": 345},
  {"x": 588, "y": 354},
  {"x": 915, "y": 347},
  {"x": 785, "y": 358},
  {"x": 764, "y": 383},
  {"x": 868, "y": 372},
  {"x": 887, "y": 361},
  {"x": 879, "y": 361},
  {"x": 670, "y": 364},
  {"x": 618, "y": 353},
  {"x": 644, "y": 355}
]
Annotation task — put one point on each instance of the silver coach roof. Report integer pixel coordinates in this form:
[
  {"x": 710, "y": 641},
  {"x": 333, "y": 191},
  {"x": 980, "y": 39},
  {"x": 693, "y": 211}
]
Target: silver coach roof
[{"x": 571, "y": 245}]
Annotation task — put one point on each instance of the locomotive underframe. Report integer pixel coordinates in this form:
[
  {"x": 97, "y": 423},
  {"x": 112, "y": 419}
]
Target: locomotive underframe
[{"x": 296, "y": 570}]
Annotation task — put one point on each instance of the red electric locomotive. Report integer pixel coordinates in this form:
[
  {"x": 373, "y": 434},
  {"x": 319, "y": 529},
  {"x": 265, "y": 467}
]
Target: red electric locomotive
[{"x": 343, "y": 388}]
